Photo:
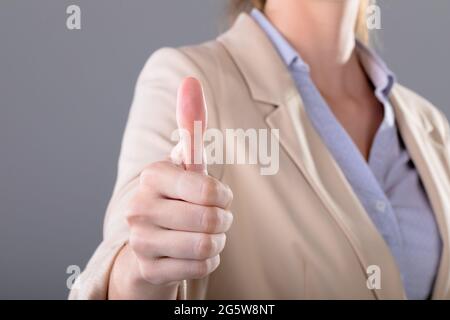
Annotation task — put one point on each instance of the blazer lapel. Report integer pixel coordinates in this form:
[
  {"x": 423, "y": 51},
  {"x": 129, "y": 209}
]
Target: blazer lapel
[
  {"x": 305, "y": 147},
  {"x": 431, "y": 160},
  {"x": 270, "y": 83}
]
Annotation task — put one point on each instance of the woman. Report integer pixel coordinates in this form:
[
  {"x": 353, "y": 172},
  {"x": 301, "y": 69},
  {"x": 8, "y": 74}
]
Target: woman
[{"x": 359, "y": 207}]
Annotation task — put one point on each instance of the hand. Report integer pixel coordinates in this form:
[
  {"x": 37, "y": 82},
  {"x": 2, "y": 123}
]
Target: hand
[{"x": 179, "y": 215}]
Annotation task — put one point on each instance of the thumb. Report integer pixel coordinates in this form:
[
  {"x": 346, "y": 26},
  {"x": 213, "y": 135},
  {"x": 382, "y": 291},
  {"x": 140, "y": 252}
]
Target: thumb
[{"x": 191, "y": 117}]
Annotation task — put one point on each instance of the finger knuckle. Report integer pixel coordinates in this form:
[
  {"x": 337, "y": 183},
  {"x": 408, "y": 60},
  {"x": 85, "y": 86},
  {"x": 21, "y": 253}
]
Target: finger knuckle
[
  {"x": 135, "y": 242},
  {"x": 222, "y": 241},
  {"x": 211, "y": 219},
  {"x": 200, "y": 269},
  {"x": 145, "y": 246},
  {"x": 229, "y": 220},
  {"x": 150, "y": 245},
  {"x": 205, "y": 247},
  {"x": 151, "y": 275},
  {"x": 210, "y": 190},
  {"x": 133, "y": 209},
  {"x": 151, "y": 210},
  {"x": 149, "y": 175}
]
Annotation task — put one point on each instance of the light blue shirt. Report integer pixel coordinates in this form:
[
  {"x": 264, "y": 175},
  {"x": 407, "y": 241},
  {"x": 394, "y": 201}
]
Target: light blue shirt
[{"x": 387, "y": 185}]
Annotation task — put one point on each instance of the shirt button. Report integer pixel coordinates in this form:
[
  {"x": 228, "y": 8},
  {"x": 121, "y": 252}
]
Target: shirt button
[{"x": 380, "y": 205}]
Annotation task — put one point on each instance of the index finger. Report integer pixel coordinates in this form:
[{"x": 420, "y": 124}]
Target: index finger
[{"x": 171, "y": 181}]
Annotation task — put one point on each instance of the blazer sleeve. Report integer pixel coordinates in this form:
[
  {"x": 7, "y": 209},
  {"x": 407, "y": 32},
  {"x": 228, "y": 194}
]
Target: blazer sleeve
[{"x": 147, "y": 139}]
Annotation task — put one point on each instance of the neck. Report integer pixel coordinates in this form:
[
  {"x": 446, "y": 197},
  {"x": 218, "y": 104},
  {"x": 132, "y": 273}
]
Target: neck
[{"x": 323, "y": 32}]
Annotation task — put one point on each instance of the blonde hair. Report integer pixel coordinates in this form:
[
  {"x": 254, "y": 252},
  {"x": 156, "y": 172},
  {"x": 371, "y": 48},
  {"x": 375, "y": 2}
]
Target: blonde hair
[{"x": 362, "y": 32}]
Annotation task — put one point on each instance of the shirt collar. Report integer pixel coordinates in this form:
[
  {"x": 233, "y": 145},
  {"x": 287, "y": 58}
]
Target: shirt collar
[
  {"x": 381, "y": 76},
  {"x": 290, "y": 56}
]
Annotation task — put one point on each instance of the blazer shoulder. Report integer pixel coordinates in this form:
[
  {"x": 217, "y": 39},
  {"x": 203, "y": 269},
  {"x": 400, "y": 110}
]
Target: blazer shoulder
[
  {"x": 423, "y": 109},
  {"x": 209, "y": 62}
]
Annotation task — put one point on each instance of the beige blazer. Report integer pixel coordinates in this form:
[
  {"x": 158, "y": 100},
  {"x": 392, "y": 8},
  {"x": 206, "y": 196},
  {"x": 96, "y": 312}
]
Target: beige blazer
[{"x": 299, "y": 234}]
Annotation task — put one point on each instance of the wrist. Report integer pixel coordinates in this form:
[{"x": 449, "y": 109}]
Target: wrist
[{"x": 126, "y": 282}]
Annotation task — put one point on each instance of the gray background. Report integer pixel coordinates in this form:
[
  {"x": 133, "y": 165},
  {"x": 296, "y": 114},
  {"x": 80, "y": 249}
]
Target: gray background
[{"x": 64, "y": 99}]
